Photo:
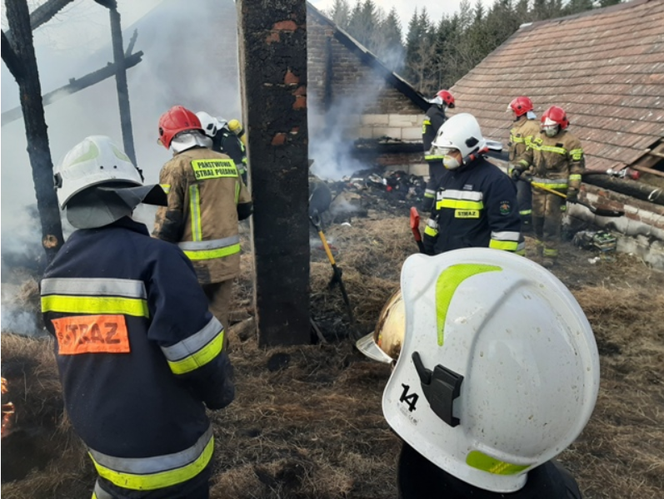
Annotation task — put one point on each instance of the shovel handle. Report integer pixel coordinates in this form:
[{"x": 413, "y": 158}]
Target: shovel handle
[
  {"x": 326, "y": 246},
  {"x": 600, "y": 212}
]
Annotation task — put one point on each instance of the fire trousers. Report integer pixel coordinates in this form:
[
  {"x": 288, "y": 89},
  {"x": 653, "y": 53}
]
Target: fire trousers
[
  {"x": 524, "y": 200},
  {"x": 547, "y": 221},
  {"x": 219, "y": 296}
]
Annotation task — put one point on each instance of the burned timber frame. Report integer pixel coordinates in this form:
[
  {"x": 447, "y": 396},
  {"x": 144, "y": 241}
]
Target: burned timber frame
[
  {"x": 18, "y": 53},
  {"x": 273, "y": 69}
]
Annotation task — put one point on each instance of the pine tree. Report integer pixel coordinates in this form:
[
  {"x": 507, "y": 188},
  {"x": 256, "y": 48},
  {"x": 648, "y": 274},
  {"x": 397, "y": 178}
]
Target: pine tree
[
  {"x": 340, "y": 13},
  {"x": 390, "y": 49}
]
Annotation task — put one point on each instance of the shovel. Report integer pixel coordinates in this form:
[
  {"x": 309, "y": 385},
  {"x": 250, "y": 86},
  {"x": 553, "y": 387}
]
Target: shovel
[
  {"x": 415, "y": 227},
  {"x": 600, "y": 212},
  {"x": 336, "y": 271}
]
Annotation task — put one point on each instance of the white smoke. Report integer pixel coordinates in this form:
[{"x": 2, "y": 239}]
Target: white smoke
[
  {"x": 190, "y": 58},
  {"x": 332, "y": 134},
  {"x": 18, "y": 320}
]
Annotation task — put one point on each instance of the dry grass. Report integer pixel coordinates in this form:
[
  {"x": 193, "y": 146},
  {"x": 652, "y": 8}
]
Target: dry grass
[{"x": 313, "y": 428}]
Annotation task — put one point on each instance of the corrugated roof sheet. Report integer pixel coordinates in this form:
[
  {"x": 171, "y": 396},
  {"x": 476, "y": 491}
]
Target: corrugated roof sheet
[{"x": 605, "y": 67}]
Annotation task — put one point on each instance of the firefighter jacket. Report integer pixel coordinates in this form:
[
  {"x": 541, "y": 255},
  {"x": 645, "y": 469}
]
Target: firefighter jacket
[
  {"x": 206, "y": 198},
  {"x": 475, "y": 207},
  {"x": 434, "y": 119},
  {"x": 139, "y": 354},
  {"x": 557, "y": 162},
  {"x": 226, "y": 142},
  {"x": 521, "y": 135}
]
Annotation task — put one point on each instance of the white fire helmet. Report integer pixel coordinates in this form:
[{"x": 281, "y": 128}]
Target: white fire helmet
[
  {"x": 384, "y": 344},
  {"x": 95, "y": 160},
  {"x": 499, "y": 371},
  {"x": 210, "y": 124},
  {"x": 461, "y": 132}
]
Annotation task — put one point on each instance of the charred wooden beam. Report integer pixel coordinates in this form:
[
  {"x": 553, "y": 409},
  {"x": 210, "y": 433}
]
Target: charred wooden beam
[
  {"x": 109, "y": 4},
  {"x": 11, "y": 59},
  {"x": 273, "y": 66},
  {"x": 121, "y": 85},
  {"x": 44, "y": 13},
  {"x": 18, "y": 19},
  {"x": 130, "y": 46},
  {"x": 75, "y": 84}
]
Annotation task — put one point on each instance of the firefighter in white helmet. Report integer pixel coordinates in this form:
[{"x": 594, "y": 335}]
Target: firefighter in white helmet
[
  {"x": 225, "y": 140},
  {"x": 498, "y": 374},
  {"x": 475, "y": 203},
  {"x": 140, "y": 356}
]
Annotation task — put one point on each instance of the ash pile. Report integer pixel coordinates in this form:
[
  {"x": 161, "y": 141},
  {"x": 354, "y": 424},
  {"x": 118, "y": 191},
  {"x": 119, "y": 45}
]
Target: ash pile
[{"x": 371, "y": 189}]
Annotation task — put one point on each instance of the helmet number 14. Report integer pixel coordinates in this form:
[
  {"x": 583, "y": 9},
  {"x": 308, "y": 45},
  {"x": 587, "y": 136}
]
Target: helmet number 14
[{"x": 410, "y": 400}]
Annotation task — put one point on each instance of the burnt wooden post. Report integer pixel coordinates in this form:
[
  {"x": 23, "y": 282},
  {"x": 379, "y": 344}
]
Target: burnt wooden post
[
  {"x": 75, "y": 84},
  {"x": 121, "y": 84},
  {"x": 273, "y": 68},
  {"x": 23, "y": 54}
]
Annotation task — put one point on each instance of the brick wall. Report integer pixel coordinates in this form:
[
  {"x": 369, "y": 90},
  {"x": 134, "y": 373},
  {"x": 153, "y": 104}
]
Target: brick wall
[{"x": 358, "y": 97}]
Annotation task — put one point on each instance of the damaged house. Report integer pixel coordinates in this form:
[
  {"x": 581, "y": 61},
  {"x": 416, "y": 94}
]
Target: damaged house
[{"x": 605, "y": 67}]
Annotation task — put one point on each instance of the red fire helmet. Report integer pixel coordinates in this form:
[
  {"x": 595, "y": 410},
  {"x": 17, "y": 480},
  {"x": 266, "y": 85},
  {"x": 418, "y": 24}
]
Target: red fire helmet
[
  {"x": 557, "y": 114},
  {"x": 177, "y": 119},
  {"x": 446, "y": 97},
  {"x": 521, "y": 105}
]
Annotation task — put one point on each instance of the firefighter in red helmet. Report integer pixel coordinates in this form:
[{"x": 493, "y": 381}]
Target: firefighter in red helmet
[
  {"x": 557, "y": 162},
  {"x": 524, "y": 128},
  {"x": 434, "y": 119},
  {"x": 206, "y": 198}
]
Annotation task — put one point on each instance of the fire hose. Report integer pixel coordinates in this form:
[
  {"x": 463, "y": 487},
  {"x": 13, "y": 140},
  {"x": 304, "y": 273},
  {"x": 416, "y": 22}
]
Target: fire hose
[{"x": 599, "y": 211}]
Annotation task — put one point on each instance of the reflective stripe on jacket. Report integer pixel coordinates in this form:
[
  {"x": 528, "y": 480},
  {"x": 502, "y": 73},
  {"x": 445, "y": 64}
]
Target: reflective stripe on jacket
[
  {"x": 139, "y": 354},
  {"x": 520, "y": 136},
  {"x": 559, "y": 159},
  {"x": 475, "y": 207},
  {"x": 202, "y": 213},
  {"x": 434, "y": 119}
]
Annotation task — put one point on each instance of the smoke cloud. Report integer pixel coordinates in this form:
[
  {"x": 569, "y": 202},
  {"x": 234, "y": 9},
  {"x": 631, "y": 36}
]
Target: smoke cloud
[{"x": 190, "y": 58}]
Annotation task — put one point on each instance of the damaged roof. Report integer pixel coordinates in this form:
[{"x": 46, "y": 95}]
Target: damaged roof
[
  {"x": 368, "y": 58},
  {"x": 605, "y": 67}
]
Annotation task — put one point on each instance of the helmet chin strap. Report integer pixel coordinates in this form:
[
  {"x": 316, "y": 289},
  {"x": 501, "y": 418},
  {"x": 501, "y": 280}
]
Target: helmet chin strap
[{"x": 473, "y": 155}]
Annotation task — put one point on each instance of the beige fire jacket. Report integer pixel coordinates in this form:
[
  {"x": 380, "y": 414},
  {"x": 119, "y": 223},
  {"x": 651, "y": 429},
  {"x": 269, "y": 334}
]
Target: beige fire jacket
[
  {"x": 557, "y": 161},
  {"x": 520, "y": 136},
  {"x": 205, "y": 196}
]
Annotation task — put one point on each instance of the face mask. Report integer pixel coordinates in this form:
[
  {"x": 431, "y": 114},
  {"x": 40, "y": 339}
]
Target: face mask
[
  {"x": 551, "y": 131},
  {"x": 451, "y": 163}
]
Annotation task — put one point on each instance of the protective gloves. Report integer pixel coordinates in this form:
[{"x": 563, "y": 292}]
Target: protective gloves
[
  {"x": 572, "y": 196},
  {"x": 516, "y": 172}
]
